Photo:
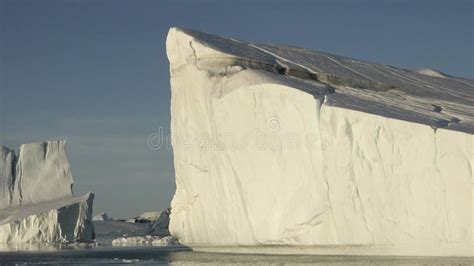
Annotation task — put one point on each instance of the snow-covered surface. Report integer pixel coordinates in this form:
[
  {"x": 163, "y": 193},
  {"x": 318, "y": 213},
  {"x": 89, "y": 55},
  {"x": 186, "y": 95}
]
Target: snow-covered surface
[
  {"x": 283, "y": 146},
  {"x": 101, "y": 217},
  {"x": 37, "y": 203},
  {"x": 431, "y": 73},
  {"x": 350, "y": 83},
  {"x": 145, "y": 240}
]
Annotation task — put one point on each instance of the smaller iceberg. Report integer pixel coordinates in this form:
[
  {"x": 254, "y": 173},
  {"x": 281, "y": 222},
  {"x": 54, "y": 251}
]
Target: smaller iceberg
[
  {"x": 102, "y": 217},
  {"x": 37, "y": 204}
]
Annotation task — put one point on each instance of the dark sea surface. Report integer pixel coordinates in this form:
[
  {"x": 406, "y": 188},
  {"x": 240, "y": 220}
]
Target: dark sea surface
[{"x": 184, "y": 256}]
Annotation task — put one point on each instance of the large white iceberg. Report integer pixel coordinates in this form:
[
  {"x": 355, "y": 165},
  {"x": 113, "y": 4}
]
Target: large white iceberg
[
  {"x": 276, "y": 145},
  {"x": 37, "y": 204}
]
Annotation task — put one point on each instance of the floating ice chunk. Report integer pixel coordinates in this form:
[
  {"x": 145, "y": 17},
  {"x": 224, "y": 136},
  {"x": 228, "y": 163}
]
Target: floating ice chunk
[
  {"x": 130, "y": 260},
  {"x": 146, "y": 240}
]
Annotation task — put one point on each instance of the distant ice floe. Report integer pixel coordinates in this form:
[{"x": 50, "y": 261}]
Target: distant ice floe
[
  {"x": 102, "y": 217},
  {"x": 149, "y": 223},
  {"x": 146, "y": 240}
]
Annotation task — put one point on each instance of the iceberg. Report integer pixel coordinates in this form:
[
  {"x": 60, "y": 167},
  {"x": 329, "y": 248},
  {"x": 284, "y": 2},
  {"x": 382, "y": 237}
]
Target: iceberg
[
  {"x": 111, "y": 228},
  {"x": 102, "y": 217},
  {"x": 160, "y": 224},
  {"x": 158, "y": 221},
  {"x": 146, "y": 217},
  {"x": 276, "y": 145},
  {"x": 153, "y": 223},
  {"x": 37, "y": 204},
  {"x": 145, "y": 240},
  {"x": 151, "y": 216}
]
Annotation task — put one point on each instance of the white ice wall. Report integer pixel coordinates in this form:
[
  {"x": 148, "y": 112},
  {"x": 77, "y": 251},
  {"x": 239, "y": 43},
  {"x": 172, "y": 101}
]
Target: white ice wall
[
  {"x": 261, "y": 158},
  {"x": 41, "y": 167},
  {"x": 40, "y": 172},
  {"x": 7, "y": 158},
  {"x": 70, "y": 220}
]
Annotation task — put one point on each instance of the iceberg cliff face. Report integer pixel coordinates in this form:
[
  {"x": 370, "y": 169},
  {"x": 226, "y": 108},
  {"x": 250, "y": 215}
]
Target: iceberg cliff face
[
  {"x": 36, "y": 199},
  {"x": 30, "y": 178},
  {"x": 40, "y": 167},
  {"x": 7, "y": 158},
  {"x": 285, "y": 146},
  {"x": 60, "y": 221}
]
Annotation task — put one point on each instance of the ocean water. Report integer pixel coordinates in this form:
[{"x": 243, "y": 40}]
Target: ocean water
[{"x": 149, "y": 255}]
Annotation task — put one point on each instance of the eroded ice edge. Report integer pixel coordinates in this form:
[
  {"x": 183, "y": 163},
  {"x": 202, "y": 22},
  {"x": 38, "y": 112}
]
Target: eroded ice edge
[
  {"x": 37, "y": 204},
  {"x": 381, "y": 156},
  {"x": 424, "y": 96}
]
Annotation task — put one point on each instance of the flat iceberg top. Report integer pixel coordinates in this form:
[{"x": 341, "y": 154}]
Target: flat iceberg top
[
  {"x": 20, "y": 212},
  {"x": 424, "y": 96}
]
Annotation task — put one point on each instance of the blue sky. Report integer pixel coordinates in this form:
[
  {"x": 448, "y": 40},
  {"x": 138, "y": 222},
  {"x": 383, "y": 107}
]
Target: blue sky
[{"x": 96, "y": 73}]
